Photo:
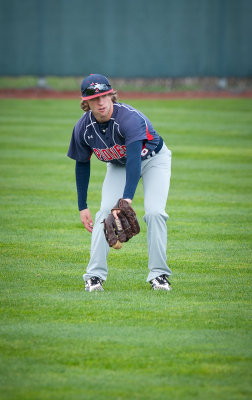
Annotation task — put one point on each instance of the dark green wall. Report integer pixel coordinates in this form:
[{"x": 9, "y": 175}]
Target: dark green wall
[{"x": 126, "y": 38}]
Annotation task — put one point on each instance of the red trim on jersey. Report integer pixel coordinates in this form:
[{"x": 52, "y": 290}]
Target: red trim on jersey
[{"x": 149, "y": 136}]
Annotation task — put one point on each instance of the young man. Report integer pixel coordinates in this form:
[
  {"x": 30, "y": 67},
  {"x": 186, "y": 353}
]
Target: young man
[{"x": 126, "y": 141}]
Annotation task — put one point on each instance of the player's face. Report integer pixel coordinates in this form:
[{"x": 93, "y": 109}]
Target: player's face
[{"x": 101, "y": 107}]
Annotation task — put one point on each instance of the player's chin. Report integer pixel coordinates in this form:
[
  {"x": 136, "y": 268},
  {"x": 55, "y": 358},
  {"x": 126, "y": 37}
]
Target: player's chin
[
  {"x": 104, "y": 115},
  {"x": 104, "y": 111}
]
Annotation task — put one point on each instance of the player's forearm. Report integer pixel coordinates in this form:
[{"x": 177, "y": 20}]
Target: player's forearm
[
  {"x": 82, "y": 174},
  {"x": 133, "y": 169}
]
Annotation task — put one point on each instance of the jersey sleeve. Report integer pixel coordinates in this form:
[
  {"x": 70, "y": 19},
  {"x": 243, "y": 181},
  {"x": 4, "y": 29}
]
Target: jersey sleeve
[
  {"x": 78, "y": 149},
  {"x": 135, "y": 126},
  {"x": 133, "y": 169},
  {"x": 82, "y": 174}
]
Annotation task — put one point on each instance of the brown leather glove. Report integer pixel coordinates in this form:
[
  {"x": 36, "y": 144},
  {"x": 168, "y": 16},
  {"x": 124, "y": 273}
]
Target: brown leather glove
[{"x": 124, "y": 228}]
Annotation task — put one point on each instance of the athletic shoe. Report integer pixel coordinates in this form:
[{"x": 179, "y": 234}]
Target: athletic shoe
[
  {"x": 93, "y": 284},
  {"x": 160, "y": 283}
]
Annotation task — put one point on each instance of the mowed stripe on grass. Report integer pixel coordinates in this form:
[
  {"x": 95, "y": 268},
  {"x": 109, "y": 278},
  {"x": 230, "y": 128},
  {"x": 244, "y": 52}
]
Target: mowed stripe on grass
[{"x": 129, "y": 342}]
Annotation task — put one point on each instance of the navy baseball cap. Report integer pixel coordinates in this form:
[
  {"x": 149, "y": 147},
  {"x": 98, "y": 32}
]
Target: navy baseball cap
[{"x": 95, "y": 85}]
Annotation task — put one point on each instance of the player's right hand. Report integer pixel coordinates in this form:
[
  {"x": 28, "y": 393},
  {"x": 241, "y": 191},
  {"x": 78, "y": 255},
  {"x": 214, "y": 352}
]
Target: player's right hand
[{"x": 86, "y": 219}]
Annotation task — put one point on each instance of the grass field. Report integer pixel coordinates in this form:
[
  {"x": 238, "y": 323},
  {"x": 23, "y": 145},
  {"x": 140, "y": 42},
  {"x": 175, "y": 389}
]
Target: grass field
[{"x": 58, "y": 342}]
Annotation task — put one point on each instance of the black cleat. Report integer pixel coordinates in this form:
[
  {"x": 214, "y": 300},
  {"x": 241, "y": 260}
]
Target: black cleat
[
  {"x": 160, "y": 283},
  {"x": 93, "y": 284}
]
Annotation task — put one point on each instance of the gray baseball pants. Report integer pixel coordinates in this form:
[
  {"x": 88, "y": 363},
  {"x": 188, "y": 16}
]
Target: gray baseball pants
[{"x": 155, "y": 174}]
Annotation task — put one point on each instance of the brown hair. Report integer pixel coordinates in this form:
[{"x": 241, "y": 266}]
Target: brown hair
[{"x": 84, "y": 103}]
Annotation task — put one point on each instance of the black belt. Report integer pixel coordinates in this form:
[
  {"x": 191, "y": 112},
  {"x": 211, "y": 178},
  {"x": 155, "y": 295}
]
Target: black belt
[{"x": 159, "y": 146}]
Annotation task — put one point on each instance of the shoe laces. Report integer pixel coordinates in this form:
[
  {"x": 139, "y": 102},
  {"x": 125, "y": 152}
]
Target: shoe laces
[
  {"x": 163, "y": 279},
  {"x": 95, "y": 280}
]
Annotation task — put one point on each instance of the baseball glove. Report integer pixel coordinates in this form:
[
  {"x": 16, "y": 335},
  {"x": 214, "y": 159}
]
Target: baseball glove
[{"x": 118, "y": 231}]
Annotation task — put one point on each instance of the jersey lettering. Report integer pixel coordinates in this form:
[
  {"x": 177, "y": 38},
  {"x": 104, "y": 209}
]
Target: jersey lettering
[
  {"x": 106, "y": 155},
  {"x": 112, "y": 153},
  {"x": 121, "y": 150},
  {"x": 96, "y": 151}
]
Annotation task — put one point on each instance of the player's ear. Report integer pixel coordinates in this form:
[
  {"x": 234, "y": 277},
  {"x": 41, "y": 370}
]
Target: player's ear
[{"x": 84, "y": 105}]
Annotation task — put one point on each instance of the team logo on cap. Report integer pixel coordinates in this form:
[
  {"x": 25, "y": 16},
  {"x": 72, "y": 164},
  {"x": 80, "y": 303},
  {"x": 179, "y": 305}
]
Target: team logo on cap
[{"x": 94, "y": 86}]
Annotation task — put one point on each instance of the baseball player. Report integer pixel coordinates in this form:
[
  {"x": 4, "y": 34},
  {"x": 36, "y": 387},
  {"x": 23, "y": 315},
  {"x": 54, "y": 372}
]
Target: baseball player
[{"x": 123, "y": 138}]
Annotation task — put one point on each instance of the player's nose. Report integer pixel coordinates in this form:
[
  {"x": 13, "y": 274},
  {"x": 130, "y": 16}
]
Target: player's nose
[{"x": 100, "y": 99}]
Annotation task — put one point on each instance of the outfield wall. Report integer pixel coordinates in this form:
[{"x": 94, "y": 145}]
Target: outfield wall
[{"x": 126, "y": 38}]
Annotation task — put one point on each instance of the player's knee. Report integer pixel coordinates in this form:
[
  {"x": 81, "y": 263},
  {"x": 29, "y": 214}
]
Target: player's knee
[{"x": 155, "y": 216}]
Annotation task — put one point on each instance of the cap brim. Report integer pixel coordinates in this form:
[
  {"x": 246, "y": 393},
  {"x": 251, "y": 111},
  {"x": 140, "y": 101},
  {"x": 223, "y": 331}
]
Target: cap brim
[{"x": 97, "y": 95}]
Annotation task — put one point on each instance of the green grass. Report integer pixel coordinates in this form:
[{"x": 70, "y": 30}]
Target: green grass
[
  {"x": 53, "y": 82},
  {"x": 58, "y": 342}
]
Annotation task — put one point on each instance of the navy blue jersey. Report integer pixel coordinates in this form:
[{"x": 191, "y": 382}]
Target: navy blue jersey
[{"x": 126, "y": 125}]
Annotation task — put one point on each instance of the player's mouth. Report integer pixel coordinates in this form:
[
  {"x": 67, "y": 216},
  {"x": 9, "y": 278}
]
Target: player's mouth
[{"x": 102, "y": 110}]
